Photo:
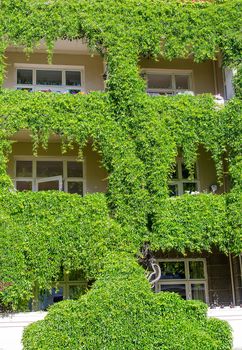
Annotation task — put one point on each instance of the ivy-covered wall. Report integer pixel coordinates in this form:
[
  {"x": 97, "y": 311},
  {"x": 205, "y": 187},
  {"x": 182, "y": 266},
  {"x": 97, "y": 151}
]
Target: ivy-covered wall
[{"x": 138, "y": 137}]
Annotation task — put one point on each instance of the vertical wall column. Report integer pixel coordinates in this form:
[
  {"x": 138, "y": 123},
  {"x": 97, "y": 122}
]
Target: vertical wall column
[
  {"x": 237, "y": 276},
  {"x": 228, "y": 82}
]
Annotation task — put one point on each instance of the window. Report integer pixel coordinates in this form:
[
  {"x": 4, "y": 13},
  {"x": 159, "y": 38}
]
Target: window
[
  {"x": 69, "y": 286},
  {"x": 43, "y": 174},
  {"x": 180, "y": 182},
  {"x": 166, "y": 82},
  {"x": 187, "y": 277},
  {"x": 46, "y": 78}
]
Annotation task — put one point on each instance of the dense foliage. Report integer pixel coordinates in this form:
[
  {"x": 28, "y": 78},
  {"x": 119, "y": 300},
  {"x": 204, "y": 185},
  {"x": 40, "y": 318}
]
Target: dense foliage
[
  {"x": 138, "y": 138},
  {"x": 40, "y": 234},
  {"x": 215, "y": 222},
  {"x": 43, "y": 232},
  {"x": 121, "y": 312}
]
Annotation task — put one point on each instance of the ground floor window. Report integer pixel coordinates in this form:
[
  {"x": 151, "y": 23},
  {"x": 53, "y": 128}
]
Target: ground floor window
[
  {"x": 53, "y": 173},
  {"x": 187, "y": 277},
  {"x": 69, "y": 286}
]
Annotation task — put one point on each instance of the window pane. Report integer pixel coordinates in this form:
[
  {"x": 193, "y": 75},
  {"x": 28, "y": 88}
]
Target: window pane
[
  {"x": 196, "y": 269},
  {"x": 175, "y": 288},
  {"x": 61, "y": 275},
  {"x": 76, "y": 291},
  {"x": 76, "y": 275},
  {"x": 49, "y": 168},
  {"x": 24, "y": 185},
  {"x": 182, "y": 82},
  {"x": 74, "y": 91},
  {"x": 74, "y": 169},
  {"x": 73, "y": 78},
  {"x": 189, "y": 187},
  {"x": 185, "y": 172},
  {"x": 24, "y": 76},
  {"x": 198, "y": 292},
  {"x": 160, "y": 93},
  {"x": 159, "y": 81},
  {"x": 173, "y": 190},
  {"x": 174, "y": 174},
  {"x": 49, "y": 298},
  {"x": 23, "y": 168},
  {"x": 172, "y": 270},
  {"x": 48, "y": 77},
  {"x": 25, "y": 89},
  {"x": 48, "y": 186},
  {"x": 75, "y": 187}
]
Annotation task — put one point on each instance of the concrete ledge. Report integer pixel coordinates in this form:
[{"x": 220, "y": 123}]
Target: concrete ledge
[
  {"x": 12, "y": 326},
  {"x": 234, "y": 317}
]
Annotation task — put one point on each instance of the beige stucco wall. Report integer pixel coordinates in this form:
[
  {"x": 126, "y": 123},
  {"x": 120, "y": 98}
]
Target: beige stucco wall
[
  {"x": 93, "y": 66},
  {"x": 207, "y": 76},
  {"x": 94, "y": 173},
  {"x": 203, "y": 74}
]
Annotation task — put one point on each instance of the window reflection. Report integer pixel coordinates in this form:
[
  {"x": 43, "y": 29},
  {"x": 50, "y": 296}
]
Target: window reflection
[{"x": 172, "y": 270}]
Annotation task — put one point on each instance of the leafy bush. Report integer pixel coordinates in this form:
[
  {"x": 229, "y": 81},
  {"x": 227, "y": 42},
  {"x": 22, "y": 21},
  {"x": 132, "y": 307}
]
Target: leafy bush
[{"x": 121, "y": 312}]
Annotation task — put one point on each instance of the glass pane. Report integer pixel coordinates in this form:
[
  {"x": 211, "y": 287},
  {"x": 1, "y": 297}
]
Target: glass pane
[
  {"x": 182, "y": 82},
  {"x": 49, "y": 298},
  {"x": 166, "y": 93},
  {"x": 185, "y": 172},
  {"x": 174, "y": 174},
  {"x": 25, "y": 89},
  {"x": 23, "y": 168},
  {"x": 61, "y": 275},
  {"x": 74, "y": 92},
  {"x": 24, "y": 76},
  {"x": 48, "y": 77},
  {"x": 76, "y": 291},
  {"x": 75, "y": 187},
  {"x": 48, "y": 186},
  {"x": 49, "y": 168},
  {"x": 189, "y": 187},
  {"x": 159, "y": 81},
  {"x": 172, "y": 270},
  {"x": 196, "y": 269},
  {"x": 160, "y": 93},
  {"x": 173, "y": 190},
  {"x": 74, "y": 169},
  {"x": 175, "y": 288},
  {"x": 73, "y": 78},
  {"x": 24, "y": 185},
  {"x": 76, "y": 275},
  {"x": 198, "y": 291}
]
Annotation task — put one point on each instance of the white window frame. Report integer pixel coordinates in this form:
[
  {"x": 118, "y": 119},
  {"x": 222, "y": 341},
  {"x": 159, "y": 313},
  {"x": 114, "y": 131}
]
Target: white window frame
[
  {"x": 172, "y": 73},
  {"x": 63, "y": 181},
  {"x": 180, "y": 180},
  {"x": 66, "y": 283},
  {"x": 187, "y": 281},
  {"x": 55, "y": 88},
  {"x": 50, "y": 179}
]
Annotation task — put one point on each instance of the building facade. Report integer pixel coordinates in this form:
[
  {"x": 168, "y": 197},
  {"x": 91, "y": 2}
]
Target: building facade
[{"x": 212, "y": 277}]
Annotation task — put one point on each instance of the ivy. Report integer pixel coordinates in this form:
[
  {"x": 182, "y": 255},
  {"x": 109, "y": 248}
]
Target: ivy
[
  {"x": 137, "y": 136},
  {"x": 121, "y": 312},
  {"x": 72, "y": 232},
  {"x": 40, "y": 233},
  {"x": 198, "y": 223}
]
